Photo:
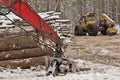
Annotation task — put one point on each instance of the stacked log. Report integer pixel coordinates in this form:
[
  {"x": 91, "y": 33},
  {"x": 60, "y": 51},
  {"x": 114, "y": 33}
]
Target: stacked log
[
  {"x": 21, "y": 22},
  {"x": 17, "y": 32},
  {"x": 18, "y": 43},
  {"x": 24, "y": 63},
  {"x": 23, "y": 52}
]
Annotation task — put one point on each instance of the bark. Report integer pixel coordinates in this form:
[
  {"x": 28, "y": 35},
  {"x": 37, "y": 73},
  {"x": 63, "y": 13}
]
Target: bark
[
  {"x": 18, "y": 44},
  {"x": 21, "y": 22},
  {"x": 25, "y": 53},
  {"x": 24, "y": 63},
  {"x": 7, "y": 33}
]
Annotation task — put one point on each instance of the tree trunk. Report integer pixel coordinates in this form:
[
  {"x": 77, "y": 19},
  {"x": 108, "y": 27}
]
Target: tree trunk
[
  {"x": 24, "y": 63},
  {"x": 18, "y": 43},
  {"x": 25, "y": 53}
]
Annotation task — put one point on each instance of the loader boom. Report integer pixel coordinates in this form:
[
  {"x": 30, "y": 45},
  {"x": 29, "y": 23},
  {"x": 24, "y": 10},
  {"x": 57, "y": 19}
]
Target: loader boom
[
  {"x": 108, "y": 19},
  {"x": 22, "y": 9}
]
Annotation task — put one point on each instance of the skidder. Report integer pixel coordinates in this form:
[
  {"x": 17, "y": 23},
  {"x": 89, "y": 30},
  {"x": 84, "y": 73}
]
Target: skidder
[{"x": 89, "y": 24}]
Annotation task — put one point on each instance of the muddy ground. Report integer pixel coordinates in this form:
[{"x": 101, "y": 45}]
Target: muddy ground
[{"x": 98, "y": 49}]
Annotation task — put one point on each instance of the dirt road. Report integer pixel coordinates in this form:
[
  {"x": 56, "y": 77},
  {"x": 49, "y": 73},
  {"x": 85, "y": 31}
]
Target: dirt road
[{"x": 98, "y": 49}]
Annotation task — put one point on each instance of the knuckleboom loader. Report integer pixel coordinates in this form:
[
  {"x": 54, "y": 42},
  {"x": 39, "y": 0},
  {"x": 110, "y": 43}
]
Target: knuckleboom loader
[
  {"x": 89, "y": 23},
  {"x": 22, "y": 9}
]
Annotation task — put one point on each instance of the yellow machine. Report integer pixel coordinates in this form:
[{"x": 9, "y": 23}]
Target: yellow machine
[
  {"x": 89, "y": 24},
  {"x": 106, "y": 26}
]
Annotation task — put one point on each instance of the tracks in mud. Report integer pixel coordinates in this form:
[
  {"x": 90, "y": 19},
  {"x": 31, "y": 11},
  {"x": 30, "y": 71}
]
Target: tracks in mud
[
  {"x": 108, "y": 60},
  {"x": 97, "y": 49}
]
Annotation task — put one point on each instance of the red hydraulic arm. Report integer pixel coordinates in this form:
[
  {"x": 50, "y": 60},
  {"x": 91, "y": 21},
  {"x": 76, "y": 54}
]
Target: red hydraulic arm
[{"x": 22, "y": 9}]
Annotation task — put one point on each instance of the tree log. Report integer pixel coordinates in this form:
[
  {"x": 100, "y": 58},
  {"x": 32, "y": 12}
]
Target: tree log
[
  {"x": 25, "y": 53},
  {"x": 18, "y": 43},
  {"x": 25, "y": 63},
  {"x": 7, "y": 33}
]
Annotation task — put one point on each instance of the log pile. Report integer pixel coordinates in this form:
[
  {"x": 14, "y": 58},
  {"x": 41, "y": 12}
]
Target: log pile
[
  {"x": 23, "y": 52},
  {"x": 54, "y": 19},
  {"x": 21, "y": 22},
  {"x": 24, "y": 63},
  {"x": 17, "y": 43},
  {"x": 59, "y": 24}
]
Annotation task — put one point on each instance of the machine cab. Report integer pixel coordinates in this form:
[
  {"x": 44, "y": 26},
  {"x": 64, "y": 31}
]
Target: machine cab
[{"x": 87, "y": 19}]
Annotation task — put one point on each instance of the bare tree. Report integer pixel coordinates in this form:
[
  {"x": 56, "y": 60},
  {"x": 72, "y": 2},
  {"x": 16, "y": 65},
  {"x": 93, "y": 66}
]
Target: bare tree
[{"x": 73, "y": 9}]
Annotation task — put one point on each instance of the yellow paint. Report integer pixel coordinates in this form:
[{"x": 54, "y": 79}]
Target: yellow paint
[
  {"x": 88, "y": 19},
  {"x": 108, "y": 19},
  {"x": 111, "y": 31}
]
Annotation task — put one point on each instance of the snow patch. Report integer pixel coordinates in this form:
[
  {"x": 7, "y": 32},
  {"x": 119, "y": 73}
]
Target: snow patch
[
  {"x": 12, "y": 16},
  {"x": 118, "y": 28},
  {"x": 103, "y": 51},
  {"x": 43, "y": 15},
  {"x": 97, "y": 72}
]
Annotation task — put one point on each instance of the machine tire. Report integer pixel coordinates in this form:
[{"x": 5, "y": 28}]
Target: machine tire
[
  {"x": 92, "y": 30},
  {"x": 78, "y": 30},
  {"x": 106, "y": 26}
]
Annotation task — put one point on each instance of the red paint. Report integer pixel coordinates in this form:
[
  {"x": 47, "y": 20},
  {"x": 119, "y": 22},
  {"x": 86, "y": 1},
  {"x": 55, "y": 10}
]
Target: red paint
[{"x": 22, "y": 9}]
